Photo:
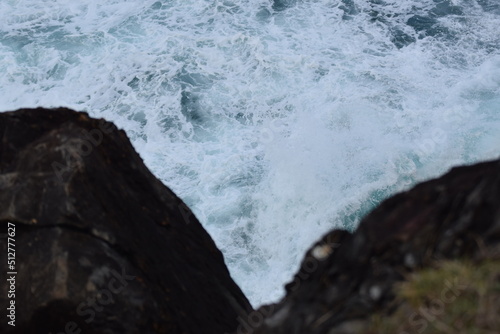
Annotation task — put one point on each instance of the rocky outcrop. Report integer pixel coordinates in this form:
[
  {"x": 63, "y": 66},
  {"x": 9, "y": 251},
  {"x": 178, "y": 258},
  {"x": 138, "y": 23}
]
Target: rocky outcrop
[
  {"x": 101, "y": 245},
  {"x": 346, "y": 277},
  {"x": 94, "y": 243}
]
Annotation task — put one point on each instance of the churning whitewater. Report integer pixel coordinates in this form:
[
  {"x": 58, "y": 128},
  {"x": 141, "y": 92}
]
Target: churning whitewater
[{"x": 275, "y": 121}]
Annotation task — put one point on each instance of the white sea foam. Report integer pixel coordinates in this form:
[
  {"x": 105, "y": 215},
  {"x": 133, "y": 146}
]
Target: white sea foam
[{"x": 273, "y": 125}]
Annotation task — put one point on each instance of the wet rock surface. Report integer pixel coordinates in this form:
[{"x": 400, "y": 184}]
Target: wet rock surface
[
  {"x": 346, "y": 277},
  {"x": 101, "y": 245}
]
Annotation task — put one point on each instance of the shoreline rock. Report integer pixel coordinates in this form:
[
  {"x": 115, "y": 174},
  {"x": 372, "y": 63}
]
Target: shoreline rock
[
  {"x": 102, "y": 246},
  {"x": 346, "y": 278}
]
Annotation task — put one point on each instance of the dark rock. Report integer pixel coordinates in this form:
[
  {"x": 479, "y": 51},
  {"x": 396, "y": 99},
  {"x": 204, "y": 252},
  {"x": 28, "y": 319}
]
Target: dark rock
[
  {"x": 345, "y": 277},
  {"x": 101, "y": 245}
]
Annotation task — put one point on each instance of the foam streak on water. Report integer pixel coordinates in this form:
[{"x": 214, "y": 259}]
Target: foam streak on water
[{"x": 274, "y": 120}]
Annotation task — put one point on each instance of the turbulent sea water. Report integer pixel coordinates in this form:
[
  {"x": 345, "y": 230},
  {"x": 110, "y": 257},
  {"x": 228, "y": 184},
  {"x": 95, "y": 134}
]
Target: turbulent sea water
[{"x": 275, "y": 121}]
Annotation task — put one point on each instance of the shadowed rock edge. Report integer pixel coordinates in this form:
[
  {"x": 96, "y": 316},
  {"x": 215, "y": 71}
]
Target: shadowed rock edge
[{"x": 87, "y": 213}]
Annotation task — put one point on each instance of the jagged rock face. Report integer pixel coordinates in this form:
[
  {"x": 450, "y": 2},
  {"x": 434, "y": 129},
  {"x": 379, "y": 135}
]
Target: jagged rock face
[
  {"x": 346, "y": 277},
  {"x": 101, "y": 245}
]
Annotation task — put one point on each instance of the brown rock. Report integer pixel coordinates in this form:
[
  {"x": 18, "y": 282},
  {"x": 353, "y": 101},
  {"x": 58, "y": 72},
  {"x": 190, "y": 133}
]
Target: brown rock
[
  {"x": 101, "y": 245},
  {"x": 345, "y": 277}
]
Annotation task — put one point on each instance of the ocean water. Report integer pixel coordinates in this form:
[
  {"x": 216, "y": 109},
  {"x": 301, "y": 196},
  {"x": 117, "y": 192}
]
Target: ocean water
[{"x": 274, "y": 120}]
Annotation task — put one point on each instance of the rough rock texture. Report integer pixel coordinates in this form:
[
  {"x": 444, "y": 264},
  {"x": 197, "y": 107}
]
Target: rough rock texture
[
  {"x": 101, "y": 245},
  {"x": 346, "y": 277}
]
